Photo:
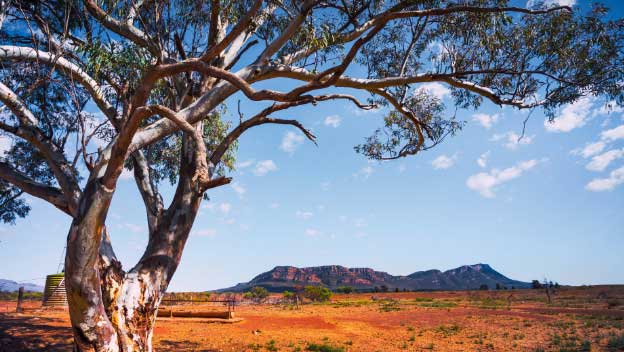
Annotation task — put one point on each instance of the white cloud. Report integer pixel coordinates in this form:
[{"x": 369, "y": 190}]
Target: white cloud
[
  {"x": 531, "y": 4},
  {"x": 364, "y": 172},
  {"x": 205, "y": 233},
  {"x": 486, "y": 120},
  {"x": 572, "y": 116},
  {"x": 608, "y": 108},
  {"x": 225, "y": 207},
  {"x": 6, "y": 143},
  {"x": 325, "y": 185},
  {"x": 361, "y": 112},
  {"x": 360, "y": 223},
  {"x": 312, "y": 232},
  {"x": 244, "y": 164},
  {"x": 590, "y": 149},
  {"x": 444, "y": 162},
  {"x": 291, "y": 142},
  {"x": 263, "y": 167},
  {"x": 616, "y": 177},
  {"x": 512, "y": 140},
  {"x": 613, "y": 134},
  {"x": 238, "y": 188},
  {"x": 485, "y": 182},
  {"x": 601, "y": 161},
  {"x": 436, "y": 89},
  {"x": 305, "y": 215},
  {"x": 483, "y": 158},
  {"x": 332, "y": 120}
]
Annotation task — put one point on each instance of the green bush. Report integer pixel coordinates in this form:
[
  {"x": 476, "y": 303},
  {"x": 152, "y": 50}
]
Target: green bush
[
  {"x": 616, "y": 343},
  {"x": 323, "y": 348},
  {"x": 317, "y": 293},
  {"x": 345, "y": 289},
  {"x": 28, "y": 295},
  {"x": 257, "y": 293}
]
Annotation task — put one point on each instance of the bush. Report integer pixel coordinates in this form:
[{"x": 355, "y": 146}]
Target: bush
[
  {"x": 616, "y": 342},
  {"x": 323, "y": 348},
  {"x": 257, "y": 293},
  {"x": 345, "y": 289},
  {"x": 317, "y": 293}
]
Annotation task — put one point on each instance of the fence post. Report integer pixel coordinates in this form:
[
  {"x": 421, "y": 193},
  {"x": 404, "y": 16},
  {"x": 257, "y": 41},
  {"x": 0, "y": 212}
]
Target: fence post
[{"x": 20, "y": 299}]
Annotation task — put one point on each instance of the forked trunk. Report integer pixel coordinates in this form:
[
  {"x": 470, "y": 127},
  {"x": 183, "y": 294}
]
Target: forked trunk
[{"x": 112, "y": 310}]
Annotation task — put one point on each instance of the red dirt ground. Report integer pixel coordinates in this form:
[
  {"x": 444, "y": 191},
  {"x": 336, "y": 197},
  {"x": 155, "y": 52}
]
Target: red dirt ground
[{"x": 440, "y": 321}]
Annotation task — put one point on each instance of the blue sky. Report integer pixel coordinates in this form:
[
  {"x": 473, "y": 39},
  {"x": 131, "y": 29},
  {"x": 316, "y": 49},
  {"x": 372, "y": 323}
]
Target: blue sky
[{"x": 548, "y": 206}]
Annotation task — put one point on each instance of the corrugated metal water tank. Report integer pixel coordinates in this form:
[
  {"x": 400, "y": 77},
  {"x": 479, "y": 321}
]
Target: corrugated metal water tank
[{"x": 54, "y": 294}]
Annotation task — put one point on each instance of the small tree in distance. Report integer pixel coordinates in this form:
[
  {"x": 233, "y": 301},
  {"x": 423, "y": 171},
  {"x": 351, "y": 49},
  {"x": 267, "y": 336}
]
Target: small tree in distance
[
  {"x": 345, "y": 289},
  {"x": 258, "y": 294},
  {"x": 317, "y": 293}
]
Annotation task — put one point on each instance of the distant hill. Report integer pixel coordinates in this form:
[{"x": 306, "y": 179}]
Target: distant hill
[
  {"x": 333, "y": 276},
  {"x": 12, "y": 286}
]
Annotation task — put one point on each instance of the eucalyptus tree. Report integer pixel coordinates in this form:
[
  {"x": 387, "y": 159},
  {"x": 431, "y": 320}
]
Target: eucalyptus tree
[{"x": 159, "y": 73}]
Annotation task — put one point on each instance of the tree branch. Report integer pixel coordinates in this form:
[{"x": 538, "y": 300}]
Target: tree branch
[
  {"x": 151, "y": 197},
  {"x": 70, "y": 69},
  {"x": 42, "y": 191},
  {"x": 54, "y": 155},
  {"x": 126, "y": 30},
  {"x": 239, "y": 28},
  {"x": 290, "y": 30},
  {"x": 396, "y": 13}
]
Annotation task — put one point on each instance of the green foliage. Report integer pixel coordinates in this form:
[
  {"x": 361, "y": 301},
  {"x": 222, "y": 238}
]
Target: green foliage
[
  {"x": 324, "y": 348},
  {"x": 257, "y": 293},
  {"x": 121, "y": 60},
  {"x": 317, "y": 293},
  {"x": 448, "y": 330},
  {"x": 270, "y": 346},
  {"x": 437, "y": 304},
  {"x": 389, "y": 305},
  {"x": 12, "y": 296},
  {"x": 616, "y": 342},
  {"x": 345, "y": 289},
  {"x": 11, "y": 205}
]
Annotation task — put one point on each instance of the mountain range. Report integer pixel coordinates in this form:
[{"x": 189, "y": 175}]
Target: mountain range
[
  {"x": 465, "y": 277},
  {"x": 13, "y": 286}
]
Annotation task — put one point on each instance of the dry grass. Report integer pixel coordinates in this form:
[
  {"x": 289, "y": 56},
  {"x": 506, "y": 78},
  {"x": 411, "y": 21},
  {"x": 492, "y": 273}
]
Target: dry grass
[{"x": 579, "y": 319}]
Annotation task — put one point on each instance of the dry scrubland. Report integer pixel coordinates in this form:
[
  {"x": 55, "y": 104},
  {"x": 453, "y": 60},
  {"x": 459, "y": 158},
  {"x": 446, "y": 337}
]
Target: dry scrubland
[{"x": 579, "y": 319}]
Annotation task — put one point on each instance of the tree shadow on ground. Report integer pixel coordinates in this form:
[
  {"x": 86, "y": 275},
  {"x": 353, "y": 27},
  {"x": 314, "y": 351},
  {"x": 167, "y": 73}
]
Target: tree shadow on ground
[{"x": 19, "y": 333}]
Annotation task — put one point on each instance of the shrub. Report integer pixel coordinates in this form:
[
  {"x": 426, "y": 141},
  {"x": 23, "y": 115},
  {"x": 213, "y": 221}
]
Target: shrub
[
  {"x": 345, "y": 289},
  {"x": 317, "y": 293},
  {"x": 616, "y": 342},
  {"x": 257, "y": 294},
  {"x": 323, "y": 348}
]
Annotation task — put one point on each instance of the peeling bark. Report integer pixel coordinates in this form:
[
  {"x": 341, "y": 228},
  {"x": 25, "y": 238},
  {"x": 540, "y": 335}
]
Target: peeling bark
[
  {"x": 91, "y": 325},
  {"x": 116, "y": 311}
]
